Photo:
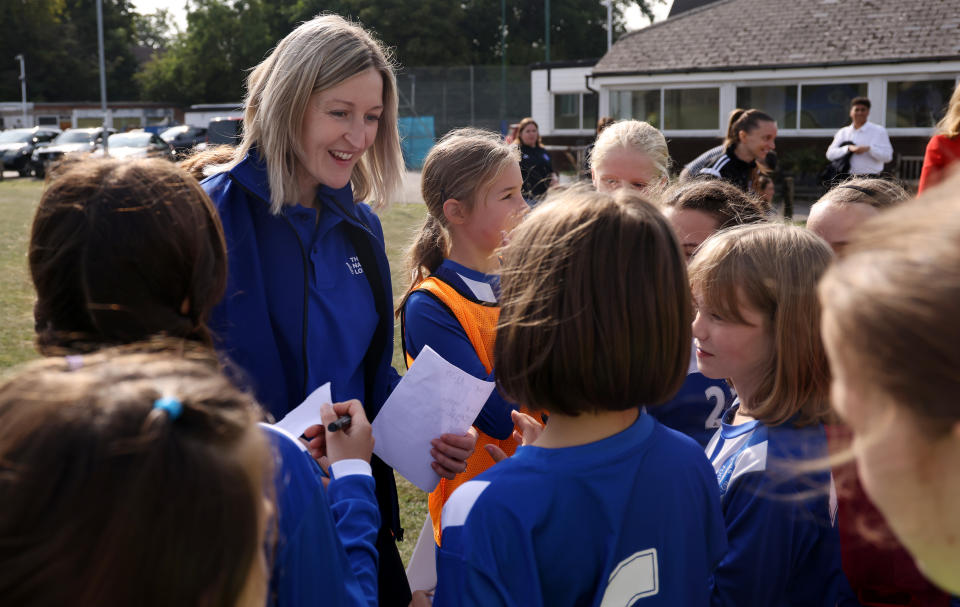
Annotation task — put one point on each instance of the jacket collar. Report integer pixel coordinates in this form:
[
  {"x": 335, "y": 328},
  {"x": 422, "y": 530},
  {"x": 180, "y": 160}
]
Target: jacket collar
[{"x": 251, "y": 173}]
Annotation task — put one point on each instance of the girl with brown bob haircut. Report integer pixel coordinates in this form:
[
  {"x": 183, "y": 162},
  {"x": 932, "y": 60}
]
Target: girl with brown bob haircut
[
  {"x": 120, "y": 251},
  {"x": 757, "y": 325},
  {"x": 134, "y": 479},
  {"x": 891, "y": 332},
  {"x": 594, "y": 323}
]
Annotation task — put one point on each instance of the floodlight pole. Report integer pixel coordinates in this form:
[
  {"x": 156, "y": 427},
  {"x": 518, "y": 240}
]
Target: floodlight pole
[
  {"x": 503, "y": 59},
  {"x": 23, "y": 87},
  {"x": 609, "y": 4},
  {"x": 103, "y": 79},
  {"x": 546, "y": 26}
]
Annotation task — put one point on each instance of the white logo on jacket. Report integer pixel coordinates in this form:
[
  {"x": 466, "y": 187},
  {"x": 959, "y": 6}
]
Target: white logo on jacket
[{"x": 353, "y": 264}]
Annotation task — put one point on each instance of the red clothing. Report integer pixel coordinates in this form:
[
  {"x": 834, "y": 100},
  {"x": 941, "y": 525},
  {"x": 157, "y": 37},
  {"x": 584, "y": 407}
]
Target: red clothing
[
  {"x": 879, "y": 569},
  {"x": 941, "y": 151}
]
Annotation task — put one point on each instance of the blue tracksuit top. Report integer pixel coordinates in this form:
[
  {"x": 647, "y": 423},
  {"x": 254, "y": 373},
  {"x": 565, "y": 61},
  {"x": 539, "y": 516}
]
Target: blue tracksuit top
[
  {"x": 325, "y": 550},
  {"x": 298, "y": 309}
]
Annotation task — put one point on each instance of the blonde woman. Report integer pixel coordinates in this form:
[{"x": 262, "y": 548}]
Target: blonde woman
[
  {"x": 944, "y": 148},
  {"x": 308, "y": 298},
  {"x": 631, "y": 154}
]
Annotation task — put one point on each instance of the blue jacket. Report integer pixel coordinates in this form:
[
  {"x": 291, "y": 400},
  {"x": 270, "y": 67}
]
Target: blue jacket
[
  {"x": 308, "y": 300},
  {"x": 325, "y": 550}
]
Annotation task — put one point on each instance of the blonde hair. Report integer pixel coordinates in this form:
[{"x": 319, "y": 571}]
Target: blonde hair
[
  {"x": 633, "y": 135},
  {"x": 317, "y": 55},
  {"x": 462, "y": 165},
  {"x": 878, "y": 193},
  {"x": 893, "y": 297},
  {"x": 949, "y": 125},
  {"x": 595, "y": 309},
  {"x": 773, "y": 268}
]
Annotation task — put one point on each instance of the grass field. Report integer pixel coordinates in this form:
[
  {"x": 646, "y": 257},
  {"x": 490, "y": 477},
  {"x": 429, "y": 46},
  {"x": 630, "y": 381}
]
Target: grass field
[{"x": 18, "y": 202}]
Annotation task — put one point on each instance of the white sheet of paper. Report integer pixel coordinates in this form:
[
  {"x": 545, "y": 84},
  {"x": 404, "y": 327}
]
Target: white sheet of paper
[
  {"x": 307, "y": 413},
  {"x": 433, "y": 398}
]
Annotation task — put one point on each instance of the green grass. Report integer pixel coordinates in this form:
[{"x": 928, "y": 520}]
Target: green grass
[{"x": 18, "y": 202}]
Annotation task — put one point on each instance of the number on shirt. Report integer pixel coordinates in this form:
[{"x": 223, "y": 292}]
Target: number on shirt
[
  {"x": 633, "y": 579},
  {"x": 715, "y": 393}
]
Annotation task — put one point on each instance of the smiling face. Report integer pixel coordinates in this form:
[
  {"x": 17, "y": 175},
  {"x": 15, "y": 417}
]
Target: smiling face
[
  {"x": 730, "y": 349},
  {"x": 692, "y": 227},
  {"x": 760, "y": 141},
  {"x": 495, "y": 215},
  {"x": 530, "y": 134},
  {"x": 339, "y": 124},
  {"x": 835, "y": 222},
  {"x": 624, "y": 168}
]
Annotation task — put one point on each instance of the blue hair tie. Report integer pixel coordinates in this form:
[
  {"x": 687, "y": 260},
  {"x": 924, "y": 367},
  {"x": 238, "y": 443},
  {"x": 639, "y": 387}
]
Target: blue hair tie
[{"x": 172, "y": 406}]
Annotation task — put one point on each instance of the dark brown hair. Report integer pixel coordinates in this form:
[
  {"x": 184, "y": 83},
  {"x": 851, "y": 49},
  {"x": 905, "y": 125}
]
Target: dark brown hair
[
  {"x": 773, "y": 268},
  {"x": 745, "y": 121},
  {"x": 595, "y": 309},
  {"x": 120, "y": 251},
  {"x": 725, "y": 202},
  {"x": 893, "y": 297},
  {"x": 860, "y": 101},
  {"x": 112, "y": 502}
]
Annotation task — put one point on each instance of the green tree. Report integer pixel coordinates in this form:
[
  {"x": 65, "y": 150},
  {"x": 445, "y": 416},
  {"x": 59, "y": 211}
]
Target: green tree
[{"x": 58, "y": 39}]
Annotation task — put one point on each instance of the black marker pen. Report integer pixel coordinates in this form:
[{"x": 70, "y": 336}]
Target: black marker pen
[{"x": 341, "y": 423}]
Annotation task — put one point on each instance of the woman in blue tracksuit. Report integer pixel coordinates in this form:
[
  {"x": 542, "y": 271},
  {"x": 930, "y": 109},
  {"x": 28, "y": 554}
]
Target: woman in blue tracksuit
[{"x": 308, "y": 297}]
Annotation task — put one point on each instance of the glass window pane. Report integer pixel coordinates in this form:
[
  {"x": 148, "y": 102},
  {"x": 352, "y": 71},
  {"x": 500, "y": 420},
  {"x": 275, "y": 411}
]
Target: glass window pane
[
  {"x": 778, "y": 101},
  {"x": 691, "y": 109},
  {"x": 917, "y": 104},
  {"x": 566, "y": 111},
  {"x": 589, "y": 111},
  {"x": 638, "y": 105},
  {"x": 827, "y": 106}
]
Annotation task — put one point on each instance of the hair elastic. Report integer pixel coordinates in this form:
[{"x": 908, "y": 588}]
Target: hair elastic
[
  {"x": 172, "y": 406},
  {"x": 74, "y": 361}
]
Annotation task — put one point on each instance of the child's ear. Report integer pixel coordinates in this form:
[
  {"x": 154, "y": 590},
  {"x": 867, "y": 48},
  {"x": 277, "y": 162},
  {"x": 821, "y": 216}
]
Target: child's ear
[{"x": 455, "y": 211}]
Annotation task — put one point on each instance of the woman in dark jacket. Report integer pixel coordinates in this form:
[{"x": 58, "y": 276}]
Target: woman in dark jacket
[
  {"x": 750, "y": 137},
  {"x": 535, "y": 164}
]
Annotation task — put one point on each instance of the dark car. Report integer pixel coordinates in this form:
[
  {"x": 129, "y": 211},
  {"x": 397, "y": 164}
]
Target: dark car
[
  {"x": 224, "y": 130},
  {"x": 71, "y": 141},
  {"x": 184, "y": 137},
  {"x": 17, "y": 145}
]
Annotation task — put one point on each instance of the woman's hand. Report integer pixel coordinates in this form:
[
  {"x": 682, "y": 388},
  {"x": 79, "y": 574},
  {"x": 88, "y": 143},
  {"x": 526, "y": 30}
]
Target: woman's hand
[
  {"x": 527, "y": 431},
  {"x": 450, "y": 453}
]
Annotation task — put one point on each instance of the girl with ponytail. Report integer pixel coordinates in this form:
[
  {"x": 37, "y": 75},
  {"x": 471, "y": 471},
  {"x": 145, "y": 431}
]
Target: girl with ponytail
[{"x": 472, "y": 188}]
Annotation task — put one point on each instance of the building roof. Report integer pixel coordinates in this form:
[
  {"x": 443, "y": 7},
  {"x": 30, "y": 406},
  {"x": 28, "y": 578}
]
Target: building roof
[
  {"x": 682, "y": 6},
  {"x": 758, "y": 34}
]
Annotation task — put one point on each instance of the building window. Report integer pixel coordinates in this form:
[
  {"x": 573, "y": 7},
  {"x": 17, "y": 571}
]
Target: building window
[
  {"x": 636, "y": 105},
  {"x": 566, "y": 111},
  {"x": 919, "y": 103},
  {"x": 780, "y": 102},
  {"x": 689, "y": 109},
  {"x": 827, "y": 106},
  {"x": 589, "y": 104}
]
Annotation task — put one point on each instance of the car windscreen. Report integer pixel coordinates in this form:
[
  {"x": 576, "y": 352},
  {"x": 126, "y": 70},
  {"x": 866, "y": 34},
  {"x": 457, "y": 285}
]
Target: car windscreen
[
  {"x": 224, "y": 131},
  {"x": 75, "y": 137},
  {"x": 16, "y": 136},
  {"x": 130, "y": 140}
]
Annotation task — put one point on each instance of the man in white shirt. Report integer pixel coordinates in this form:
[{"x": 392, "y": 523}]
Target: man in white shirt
[{"x": 867, "y": 143}]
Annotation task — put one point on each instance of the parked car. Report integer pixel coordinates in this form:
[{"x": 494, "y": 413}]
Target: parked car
[
  {"x": 17, "y": 145},
  {"x": 224, "y": 130},
  {"x": 138, "y": 144},
  {"x": 71, "y": 141},
  {"x": 184, "y": 137}
]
